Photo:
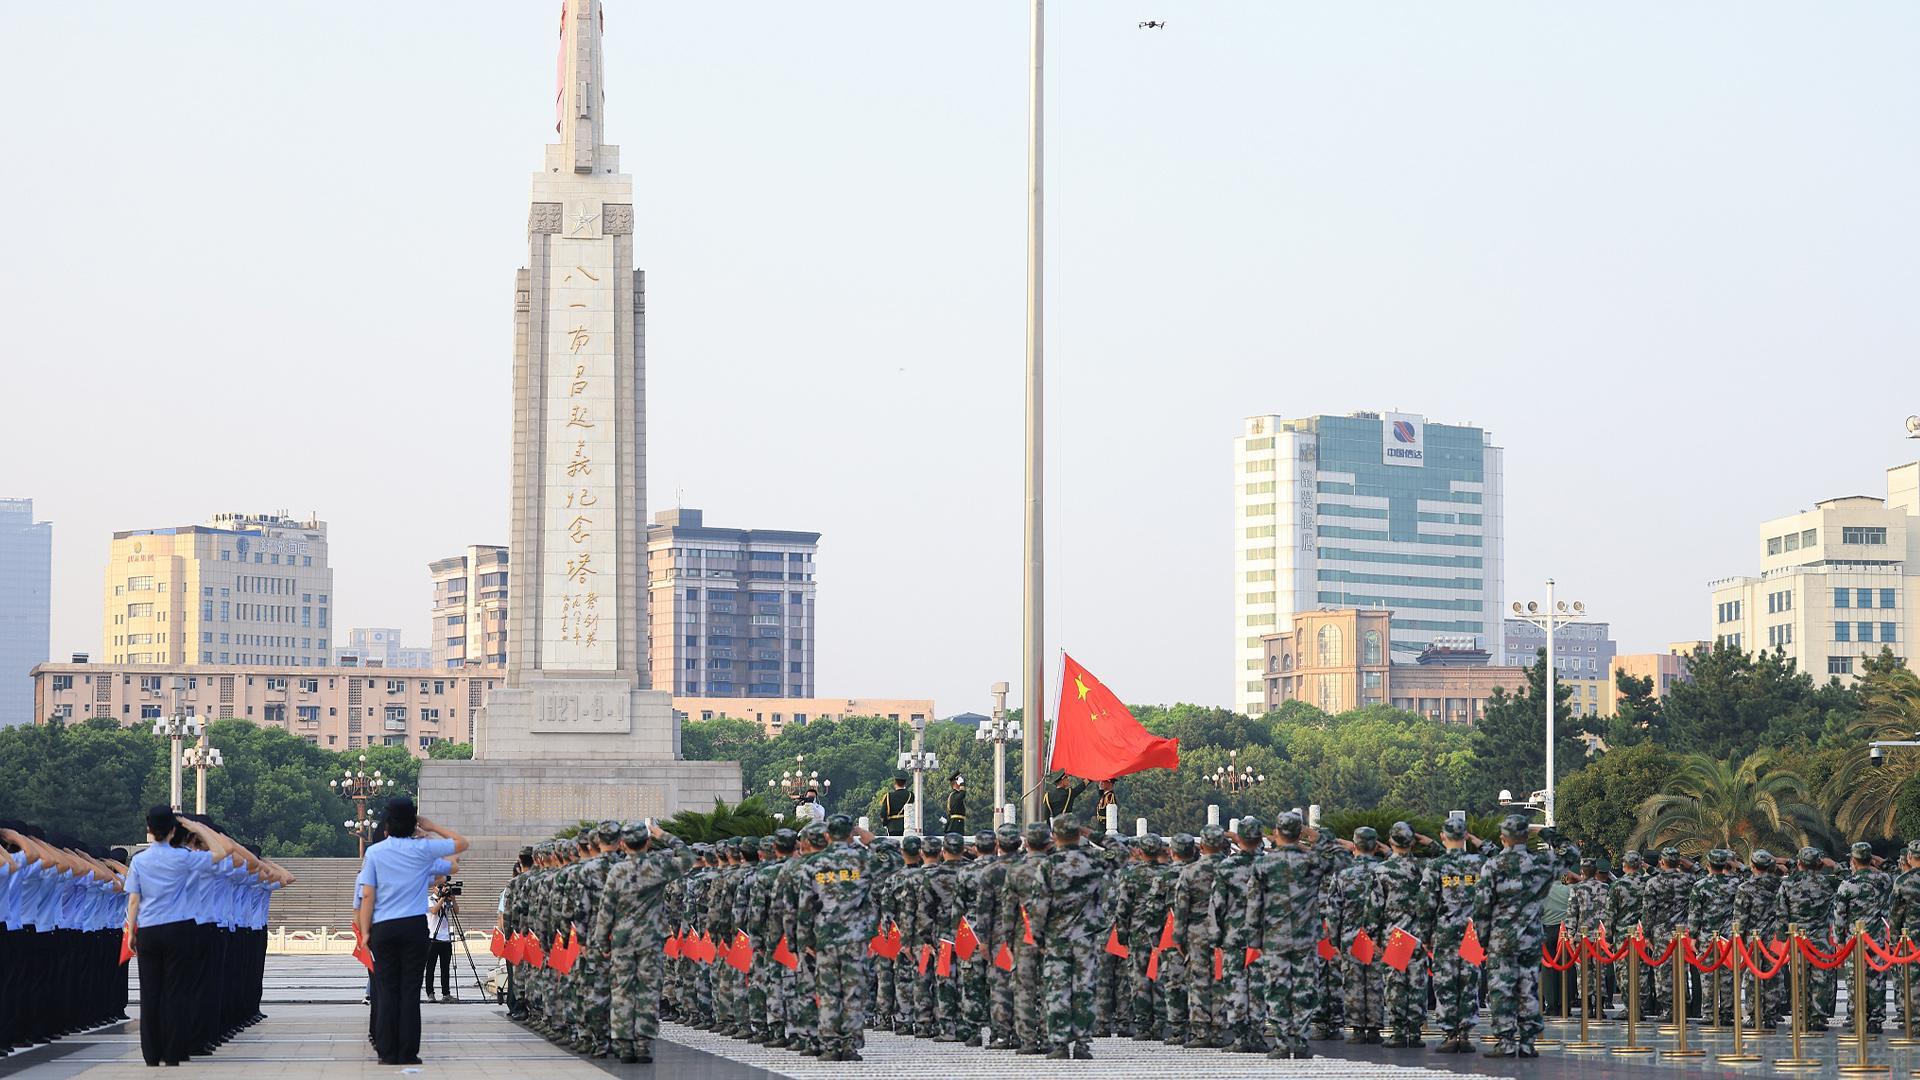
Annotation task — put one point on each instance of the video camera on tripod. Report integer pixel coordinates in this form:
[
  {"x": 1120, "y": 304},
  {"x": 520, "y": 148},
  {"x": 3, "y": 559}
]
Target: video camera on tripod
[{"x": 452, "y": 887}]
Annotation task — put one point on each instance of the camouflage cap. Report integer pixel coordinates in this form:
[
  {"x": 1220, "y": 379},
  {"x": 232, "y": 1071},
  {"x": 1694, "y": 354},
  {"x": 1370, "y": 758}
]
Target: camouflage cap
[
  {"x": 1861, "y": 850},
  {"x": 635, "y": 833},
  {"x": 766, "y": 845},
  {"x": 1251, "y": 827},
  {"x": 1719, "y": 858},
  {"x": 1152, "y": 844},
  {"x": 1066, "y": 825},
  {"x": 785, "y": 840},
  {"x": 1366, "y": 838},
  {"x": 1913, "y": 848},
  {"x": 983, "y": 841},
  {"x": 1290, "y": 825},
  {"x": 1811, "y": 856},
  {"x": 1587, "y": 863},
  {"x": 1633, "y": 858},
  {"x": 885, "y": 843},
  {"x": 815, "y": 834},
  {"x": 1038, "y": 834},
  {"x": 955, "y": 843},
  {"x": 839, "y": 826},
  {"x": 1669, "y": 852},
  {"x": 1400, "y": 835},
  {"x": 1009, "y": 835},
  {"x": 1454, "y": 828},
  {"x": 1213, "y": 836},
  {"x": 1514, "y": 826},
  {"x": 912, "y": 845},
  {"x": 608, "y": 832},
  {"x": 1184, "y": 846},
  {"x": 1761, "y": 858}
]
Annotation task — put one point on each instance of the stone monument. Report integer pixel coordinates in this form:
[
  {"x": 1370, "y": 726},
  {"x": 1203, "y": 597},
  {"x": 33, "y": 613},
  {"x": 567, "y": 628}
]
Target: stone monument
[{"x": 574, "y": 734}]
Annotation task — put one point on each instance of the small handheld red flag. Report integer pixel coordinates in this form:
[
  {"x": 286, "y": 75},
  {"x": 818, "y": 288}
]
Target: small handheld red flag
[
  {"x": 573, "y": 945},
  {"x": 1252, "y": 955},
  {"x": 1400, "y": 947},
  {"x": 894, "y": 944},
  {"x": 926, "y": 954},
  {"x": 964, "y": 941},
  {"x": 1219, "y": 965},
  {"x": 783, "y": 955},
  {"x": 740, "y": 957},
  {"x": 1027, "y": 924},
  {"x": 126, "y": 947},
  {"x": 1004, "y": 958},
  {"x": 1114, "y": 947},
  {"x": 360, "y": 952},
  {"x": 497, "y": 945},
  {"x": 535, "y": 956},
  {"x": 708, "y": 951},
  {"x": 1470, "y": 949},
  {"x": 1327, "y": 950},
  {"x": 1153, "y": 966},
  {"x": 944, "y": 967},
  {"x": 1362, "y": 947},
  {"x": 673, "y": 946},
  {"x": 516, "y": 949},
  {"x": 1166, "y": 932}
]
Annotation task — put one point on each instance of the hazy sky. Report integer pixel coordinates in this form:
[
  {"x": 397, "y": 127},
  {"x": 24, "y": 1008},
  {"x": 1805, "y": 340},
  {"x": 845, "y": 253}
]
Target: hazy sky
[{"x": 261, "y": 256}]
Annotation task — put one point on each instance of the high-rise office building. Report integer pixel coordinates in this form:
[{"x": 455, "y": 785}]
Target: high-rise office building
[
  {"x": 470, "y": 608},
  {"x": 241, "y": 589},
  {"x": 1372, "y": 510},
  {"x": 1836, "y": 582},
  {"x": 731, "y": 610},
  {"x": 378, "y": 646},
  {"x": 26, "y": 607}
]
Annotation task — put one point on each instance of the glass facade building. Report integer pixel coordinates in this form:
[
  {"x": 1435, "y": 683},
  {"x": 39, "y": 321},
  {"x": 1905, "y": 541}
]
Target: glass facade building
[
  {"x": 1371, "y": 510},
  {"x": 26, "y": 607}
]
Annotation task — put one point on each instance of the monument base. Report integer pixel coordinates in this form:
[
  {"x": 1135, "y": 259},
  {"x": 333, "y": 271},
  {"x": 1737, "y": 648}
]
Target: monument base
[{"x": 502, "y": 805}]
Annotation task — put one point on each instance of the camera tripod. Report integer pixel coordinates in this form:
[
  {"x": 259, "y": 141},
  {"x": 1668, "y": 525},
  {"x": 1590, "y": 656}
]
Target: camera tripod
[{"x": 459, "y": 933}]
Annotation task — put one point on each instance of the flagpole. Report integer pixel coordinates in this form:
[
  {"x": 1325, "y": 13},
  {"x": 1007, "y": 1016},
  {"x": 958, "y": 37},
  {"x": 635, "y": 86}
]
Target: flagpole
[{"x": 1032, "y": 682}]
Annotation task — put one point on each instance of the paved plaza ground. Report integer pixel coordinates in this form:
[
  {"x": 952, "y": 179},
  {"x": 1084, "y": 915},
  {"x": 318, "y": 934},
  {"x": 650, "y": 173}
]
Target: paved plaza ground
[{"x": 316, "y": 1030}]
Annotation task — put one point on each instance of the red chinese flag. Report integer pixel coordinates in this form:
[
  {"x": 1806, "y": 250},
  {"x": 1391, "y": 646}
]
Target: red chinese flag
[
  {"x": 516, "y": 950},
  {"x": 360, "y": 952},
  {"x": 1252, "y": 955},
  {"x": 1219, "y": 965},
  {"x": 1153, "y": 965},
  {"x": 1166, "y": 933},
  {"x": 1004, "y": 958},
  {"x": 1094, "y": 734},
  {"x": 1028, "y": 939},
  {"x": 497, "y": 945},
  {"x": 1327, "y": 950},
  {"x": 673, "y": 946},
  {"x": 557, "y": 951},
  {"x": 126, "y": 947},
  {"x": 534, "y": 955},
  {"x": 709, "y": 952},
  {"x": 926, "y": 954},
  {"x": 964, "y": 941},
  {"x": 783, "y": 955},
  {"x": 1400, "y": 946},
  {"x": 1114, "y": 947},
  {"x": 944, "y": 967},
  {"x": 740, "y": 957},
  {"x": 894, "y": 944},
  {"x": 1470, "y": 949},
  {"x": 1362, "y": 947},
  {"x": 573, "y": 945}
]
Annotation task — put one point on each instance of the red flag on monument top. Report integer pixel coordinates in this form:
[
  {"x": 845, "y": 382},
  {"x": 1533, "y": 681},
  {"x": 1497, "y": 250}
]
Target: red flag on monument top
[{"x": 1096, "y": 737}]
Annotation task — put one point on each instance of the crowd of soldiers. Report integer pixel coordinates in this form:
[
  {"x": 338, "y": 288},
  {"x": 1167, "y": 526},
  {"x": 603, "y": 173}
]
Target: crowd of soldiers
[{"x": 1036, "y": 940}]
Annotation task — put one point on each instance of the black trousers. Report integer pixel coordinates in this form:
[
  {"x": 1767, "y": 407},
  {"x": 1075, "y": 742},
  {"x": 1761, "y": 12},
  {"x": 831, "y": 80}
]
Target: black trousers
[
  {"x": 170, "y": 969},
  {"x": 439, "y": 955},
  {"x": 399, "y": 961}
]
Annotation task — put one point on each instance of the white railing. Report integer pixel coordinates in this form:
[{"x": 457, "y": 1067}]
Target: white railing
[{"x": 327, "y": 940}]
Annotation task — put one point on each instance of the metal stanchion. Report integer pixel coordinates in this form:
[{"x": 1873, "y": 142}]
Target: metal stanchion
[
  {"x": 1857, "y": 1004},
  {"x": 1906, "y": 999},
  {"x": 1589, "y": 997},
  {"x": 1710, "y": 1012},
  {"x": 1680, "y": 1048},
  {"x": 1632, "y": 1045},
  {"x": 1562, "y": 1018},
  {"x": 1739, "y": 1030},
  {"x": 1796, "y": 1005}
]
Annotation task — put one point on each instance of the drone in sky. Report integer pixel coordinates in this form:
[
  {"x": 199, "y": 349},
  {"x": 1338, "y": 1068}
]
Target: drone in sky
[{"x": 1151, "y": 25}]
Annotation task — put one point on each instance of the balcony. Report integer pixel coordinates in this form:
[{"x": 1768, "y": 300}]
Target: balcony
[{"x": 396, "y": 726}]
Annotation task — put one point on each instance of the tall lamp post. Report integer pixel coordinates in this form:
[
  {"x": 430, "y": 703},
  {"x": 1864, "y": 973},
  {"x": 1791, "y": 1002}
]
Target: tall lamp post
[
  {"x": 794, "y": 782},
  {"x": 1556, "y": 613},
  {"x": 200, "y": 758},
  {"x": 177, "y": 729},
  {"x": 355, "y": 784},
  {"x": 999, "y": 731},
  {"x": 919, "y": 761},
  {"x": 1234, "y": 778}
]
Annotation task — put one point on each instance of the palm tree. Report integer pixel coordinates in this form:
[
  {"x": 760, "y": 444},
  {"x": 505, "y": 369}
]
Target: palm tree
[
  {"x": 1864, "y": 798},
  {"x": 1717, "y": 804}
]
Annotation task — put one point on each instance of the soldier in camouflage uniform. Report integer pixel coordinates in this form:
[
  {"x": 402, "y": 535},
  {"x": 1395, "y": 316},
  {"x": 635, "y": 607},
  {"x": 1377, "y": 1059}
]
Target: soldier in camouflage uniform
[
  {"x": 1184, "y": 849},
  {"x": 799, "y": 1010},
  {"x": 754, "y": 907},
  {"x": 1507, "y": 900},
  {"x": 993, "y": 901},
  {"x": 1330, "y": 1014},
  {"x": 1355, "y": 908},
  {"x": 1663, "y": 903},
  {"x": 922, "y": 904},
  {"x": 1401, "y": 902},
  {"x": 941, "y": 922},
  {"x": 1138, "y": 919},
  {"x": 1626, "y": 913},
  {"x": 1861, "y": 903},
  {"x": 978, "y": 896},
  {"x": 1587, "y": 919},
  {"x": 1112, "y": 996},
  {"x": 1904, "y": 914},
  {"x": 1449, "y": 882},
  {"x": 1073, "y": 918},
  {"x": 1288, "y": 882},
  {"x": 1756, "y": 907},
  {"x": 1710, "y": 914},
  {"x": 1806, "y": 903},
  {"x": 781, "y": 912},
  {"x": 838, "y": 916},
  {"x": 1023, "y": 912},
  {"x": 1196, "y": 933},
  {"x": 900, "y": 900},
  {"x": 632, "y": 920},
  {"x": 1237, "y": 916}
]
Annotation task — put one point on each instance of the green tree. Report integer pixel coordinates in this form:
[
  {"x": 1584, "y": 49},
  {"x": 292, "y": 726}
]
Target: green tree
[
  {"x": 1865, "y": 799},
  {"x": 1710, "y": 803},
  {"x": 1509, "y": 739},
  {"x": 442, "y": 750},
  {"x": 1734, "y": 702},
  {"x": 723, "y": 738},
  {"x": 1597, "y": 805},
  {"x": 1638, "y": 716}
]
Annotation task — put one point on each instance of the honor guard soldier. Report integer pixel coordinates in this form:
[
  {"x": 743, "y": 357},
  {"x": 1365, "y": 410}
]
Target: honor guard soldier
[
  {"x": 956, "y": 804},
  {"x": 893, "y": 807}
]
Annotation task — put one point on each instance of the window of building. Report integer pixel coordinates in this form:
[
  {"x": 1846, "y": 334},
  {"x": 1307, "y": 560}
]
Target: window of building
[
  {"x": 1839, "y": 665},
  {"x": 1863, "y": 598},
  {"x": 1886, "y": 632},
  {"x": 1886, "y": 598},
  {"x": 1863, "y": 631},
  {"x": 1842, "y": 598},
  {"x": 1371, "y": 652},
  {"x": 1808, "y": 536},
  {"x": 1842, "y": 631},
  {"x": 1792, "y": 542},
  {"x": 1863, "y": 534},
  {"x": 149, "y": 712},
  {"x": 1329, "y": 646},
  {"x": 1773, "y": 548}
]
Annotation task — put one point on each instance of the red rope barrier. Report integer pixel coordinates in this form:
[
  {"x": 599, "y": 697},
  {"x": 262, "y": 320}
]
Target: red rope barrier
[
  {"x": 1717, "y": 952},
  {"x": 1640, "y": 947},
  {"x": 1824, "y": 960},
  {"x": 1747, "y": 962}
]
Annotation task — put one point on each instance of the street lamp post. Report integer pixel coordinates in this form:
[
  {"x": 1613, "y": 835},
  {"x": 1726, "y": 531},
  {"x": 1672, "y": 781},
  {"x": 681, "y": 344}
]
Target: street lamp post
[
  {"x": 200, "y": 758},
  {"x": 1557, "y": 613},
  {"x": 1033, "y": 677},
  {"x": 355, "y": 784},
  {"x": 1000, "y": 731},
  {"x": 794, "y": 782},
  {"x": 1234, "y": 778},
  {"x": 177, "y": 729},
  {"x": 918, "y": 761}
]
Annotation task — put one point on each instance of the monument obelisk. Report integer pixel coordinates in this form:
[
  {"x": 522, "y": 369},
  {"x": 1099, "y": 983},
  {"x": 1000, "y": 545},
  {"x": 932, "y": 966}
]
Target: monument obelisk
[{"x": 575, "y": 734}]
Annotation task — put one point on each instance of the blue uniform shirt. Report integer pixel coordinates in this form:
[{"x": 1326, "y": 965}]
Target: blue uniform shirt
[
  {"x": 166, "y": 879},
  {"x": 399, "y": 869}
]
